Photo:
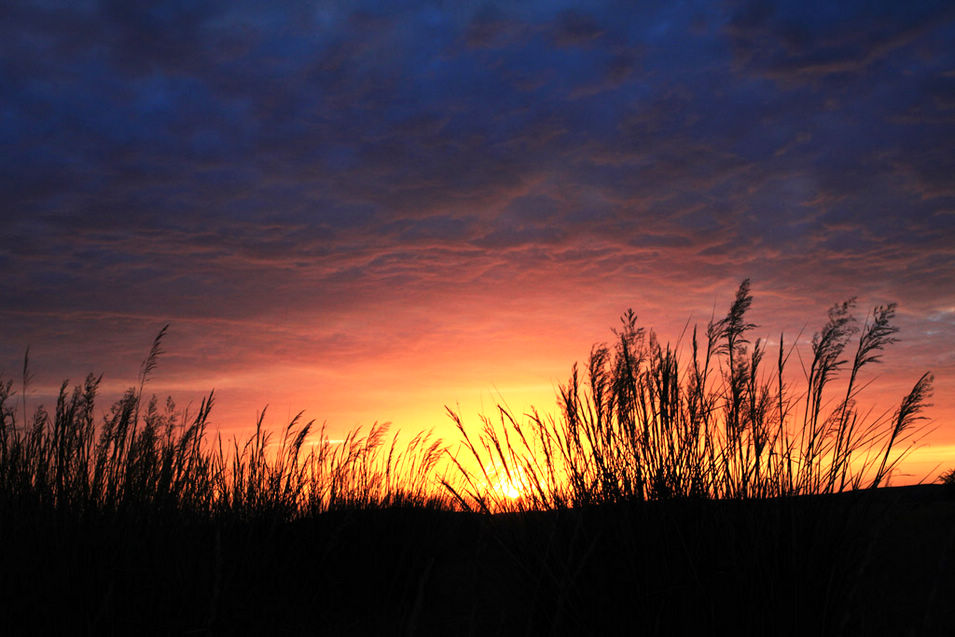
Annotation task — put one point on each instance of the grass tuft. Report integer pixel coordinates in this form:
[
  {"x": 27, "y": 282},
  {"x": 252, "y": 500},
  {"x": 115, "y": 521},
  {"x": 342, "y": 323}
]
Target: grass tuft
[{"x": 648, "y": 422}]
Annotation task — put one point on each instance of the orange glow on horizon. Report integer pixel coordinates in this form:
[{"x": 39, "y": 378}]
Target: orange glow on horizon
[{"x": 472, "y": 366}]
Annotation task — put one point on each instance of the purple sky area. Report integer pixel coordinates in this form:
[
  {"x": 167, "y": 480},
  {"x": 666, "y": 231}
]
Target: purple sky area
[{"x": 370, "y": 210}]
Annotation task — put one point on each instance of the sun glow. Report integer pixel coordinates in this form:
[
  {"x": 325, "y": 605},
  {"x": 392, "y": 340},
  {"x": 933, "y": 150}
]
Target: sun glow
[{"x": 511, "y": 484}]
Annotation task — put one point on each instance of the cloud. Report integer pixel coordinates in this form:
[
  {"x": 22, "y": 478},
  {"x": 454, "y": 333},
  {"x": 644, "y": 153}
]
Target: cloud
[
  {"x": 401, "y": 168},
  {"x": 799, "y": 42},
  {"x": 575, "y": 29}
]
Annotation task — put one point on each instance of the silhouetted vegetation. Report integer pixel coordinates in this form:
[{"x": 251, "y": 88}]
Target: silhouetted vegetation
[
  {"x": 150, "y": 459},
  {"x": 671, "y": 493},
  {"x": 646, "y": 423}
]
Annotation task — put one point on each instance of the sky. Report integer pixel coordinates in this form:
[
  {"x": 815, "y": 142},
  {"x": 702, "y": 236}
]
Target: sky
[{"x": 371, "y": 210}]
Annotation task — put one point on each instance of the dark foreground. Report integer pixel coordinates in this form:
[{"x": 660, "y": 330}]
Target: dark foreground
[{"x": 857, "y": 564}]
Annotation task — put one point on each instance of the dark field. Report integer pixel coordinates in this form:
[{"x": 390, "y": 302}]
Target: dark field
[{"x": 877, "y": 562}]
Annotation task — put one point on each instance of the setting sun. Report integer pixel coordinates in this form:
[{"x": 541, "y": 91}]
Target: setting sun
[{"x": 501, "y": 484}]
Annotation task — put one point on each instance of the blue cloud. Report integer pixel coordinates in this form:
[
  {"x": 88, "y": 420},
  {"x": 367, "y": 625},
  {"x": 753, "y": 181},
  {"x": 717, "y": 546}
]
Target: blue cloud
[{"x": 180, "y": 159}]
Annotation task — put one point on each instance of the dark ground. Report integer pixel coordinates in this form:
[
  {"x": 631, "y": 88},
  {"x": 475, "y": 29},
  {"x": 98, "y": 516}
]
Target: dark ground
[{"x": 873, "y": 563}]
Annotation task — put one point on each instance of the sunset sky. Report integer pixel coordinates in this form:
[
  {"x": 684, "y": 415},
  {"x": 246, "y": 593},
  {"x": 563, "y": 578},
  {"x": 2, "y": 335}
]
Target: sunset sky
[{"x": 369, "y": 210}]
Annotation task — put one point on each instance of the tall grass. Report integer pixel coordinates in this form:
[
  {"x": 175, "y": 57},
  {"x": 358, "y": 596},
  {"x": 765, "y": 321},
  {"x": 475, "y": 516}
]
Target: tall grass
[
  {"x": 114, "y": 519},
  {"x": 144, "y": 458},
  {"x": 645, "y": 421}
]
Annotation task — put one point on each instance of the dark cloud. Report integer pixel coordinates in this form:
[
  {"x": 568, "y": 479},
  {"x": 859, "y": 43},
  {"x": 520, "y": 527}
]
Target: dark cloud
[
  {"x": 575, "y": 29},
  {"x": 491, "y": 27},
  {"x": 809, "y": 40},
  {"x": 225, "y": 164}
]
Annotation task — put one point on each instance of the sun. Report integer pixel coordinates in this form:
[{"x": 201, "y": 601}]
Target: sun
[
  {"x": 508, "y": 489},
  {"x": 512, "y": 486}
]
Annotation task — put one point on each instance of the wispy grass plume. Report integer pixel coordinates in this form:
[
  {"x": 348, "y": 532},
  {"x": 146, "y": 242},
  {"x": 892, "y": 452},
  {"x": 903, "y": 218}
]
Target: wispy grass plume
[{"x": 647, "y": 422}]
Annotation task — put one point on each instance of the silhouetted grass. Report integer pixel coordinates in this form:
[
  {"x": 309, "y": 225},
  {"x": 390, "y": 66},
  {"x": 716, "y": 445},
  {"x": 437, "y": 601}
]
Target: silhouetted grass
[
  {"x": 646, "y": 422},
  {"x": 146, "y": 458},
  {"x": 135, "y": 522},
  {"x": 672, "y": 493}
]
